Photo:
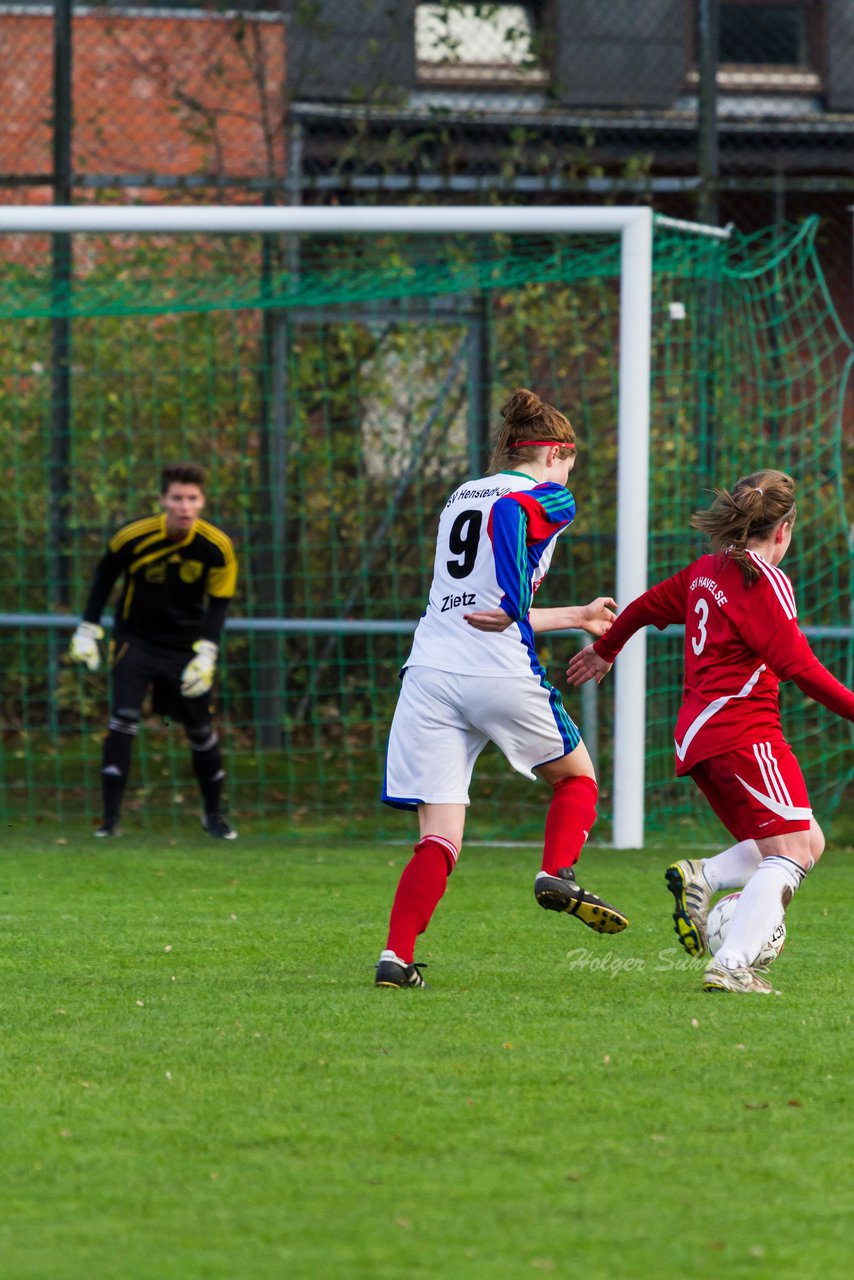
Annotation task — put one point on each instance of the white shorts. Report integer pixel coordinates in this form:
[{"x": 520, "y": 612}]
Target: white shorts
[{"x": 443, "y": 721}]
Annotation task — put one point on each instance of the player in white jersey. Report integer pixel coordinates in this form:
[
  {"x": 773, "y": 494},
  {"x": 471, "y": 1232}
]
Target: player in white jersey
[{"x": 473, "y": 677}]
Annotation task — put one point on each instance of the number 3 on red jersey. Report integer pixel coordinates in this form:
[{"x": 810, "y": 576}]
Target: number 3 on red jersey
[{"x": 701, "y": 608}]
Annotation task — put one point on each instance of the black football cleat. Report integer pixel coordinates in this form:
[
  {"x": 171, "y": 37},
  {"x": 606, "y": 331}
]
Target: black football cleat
[
  {"x": 394, "y": 972},
  {"x": 563, "y": 893}
]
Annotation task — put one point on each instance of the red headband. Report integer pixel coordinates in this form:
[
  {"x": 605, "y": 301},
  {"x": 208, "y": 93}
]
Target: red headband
[{"x": 559, "y": 444}]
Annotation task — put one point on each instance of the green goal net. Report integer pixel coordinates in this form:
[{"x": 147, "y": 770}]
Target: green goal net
[{"x": 336, "y": 389}]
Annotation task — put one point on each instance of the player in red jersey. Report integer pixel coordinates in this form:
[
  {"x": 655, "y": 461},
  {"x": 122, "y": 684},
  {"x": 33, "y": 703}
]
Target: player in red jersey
[{"x": 741, "y": 640}]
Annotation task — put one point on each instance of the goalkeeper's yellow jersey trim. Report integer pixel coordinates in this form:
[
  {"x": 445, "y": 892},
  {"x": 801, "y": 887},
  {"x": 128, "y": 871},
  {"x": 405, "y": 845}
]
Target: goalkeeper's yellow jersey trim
[
  {"x": 167, "y": 582},
  {"x": 154, "y": 525},
  {"x": 222, "y": 582}
]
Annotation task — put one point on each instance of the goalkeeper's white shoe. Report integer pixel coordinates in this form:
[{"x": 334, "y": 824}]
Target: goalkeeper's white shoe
[
  {"x": 742, "y": 979},
  {"x": 216, "y": 826},
  {"x": 692, "y": 899}
]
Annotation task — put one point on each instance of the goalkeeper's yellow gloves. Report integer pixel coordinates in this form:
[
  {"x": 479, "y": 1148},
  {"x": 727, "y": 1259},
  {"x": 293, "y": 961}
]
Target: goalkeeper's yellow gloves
[
  {"x": 84, "y": 645},
  {"x": 198, "y": 675}
]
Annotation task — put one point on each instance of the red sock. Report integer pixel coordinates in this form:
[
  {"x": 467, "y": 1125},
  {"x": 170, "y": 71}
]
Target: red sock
[
  {"x": 569, "y": 822},
  {"x": 418, "y": 893}
]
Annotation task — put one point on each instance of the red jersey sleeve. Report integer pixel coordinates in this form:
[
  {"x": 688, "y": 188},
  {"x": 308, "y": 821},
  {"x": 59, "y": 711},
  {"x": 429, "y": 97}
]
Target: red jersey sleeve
[
  {"x": 778, "y": 640},
  {"x": 661, "y": 605}
]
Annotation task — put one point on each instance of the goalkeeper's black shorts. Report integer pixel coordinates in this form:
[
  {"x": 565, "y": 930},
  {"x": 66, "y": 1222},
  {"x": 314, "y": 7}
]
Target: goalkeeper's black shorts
[{"x": 138, "y": 666}]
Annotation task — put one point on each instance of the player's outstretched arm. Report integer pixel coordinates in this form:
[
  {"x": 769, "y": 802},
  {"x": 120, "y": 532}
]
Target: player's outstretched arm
[
  {"x": 587, "y": 665},
  {"x": 595, "y": 617}
]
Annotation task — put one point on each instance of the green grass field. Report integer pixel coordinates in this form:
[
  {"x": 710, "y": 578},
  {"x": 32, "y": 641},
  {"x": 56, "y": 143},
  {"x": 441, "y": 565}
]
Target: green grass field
[{"x": 200, "y": 1080}]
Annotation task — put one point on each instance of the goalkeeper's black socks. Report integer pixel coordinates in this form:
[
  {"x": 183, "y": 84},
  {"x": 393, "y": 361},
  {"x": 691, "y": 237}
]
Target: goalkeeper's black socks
[
  {"x": 207, "y": 766},
  {"x": 115, "y": 766}
]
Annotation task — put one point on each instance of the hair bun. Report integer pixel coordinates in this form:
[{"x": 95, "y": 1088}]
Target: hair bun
[
  {"x": 749, "y": 497},
  {"x": 522, "y": 405}
]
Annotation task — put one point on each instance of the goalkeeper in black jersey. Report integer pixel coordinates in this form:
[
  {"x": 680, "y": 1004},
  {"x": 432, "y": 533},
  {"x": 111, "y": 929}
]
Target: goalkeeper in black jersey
[{"x": 178, "y": 575}]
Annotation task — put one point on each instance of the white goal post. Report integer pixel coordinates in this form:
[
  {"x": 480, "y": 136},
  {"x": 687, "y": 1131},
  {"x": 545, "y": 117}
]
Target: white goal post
[{"x": 634, "y": 226}]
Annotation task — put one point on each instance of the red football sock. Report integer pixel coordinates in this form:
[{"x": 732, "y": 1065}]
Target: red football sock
[
  {"x": 421, "y": 886},
  {"x": 569, "y": 822}
]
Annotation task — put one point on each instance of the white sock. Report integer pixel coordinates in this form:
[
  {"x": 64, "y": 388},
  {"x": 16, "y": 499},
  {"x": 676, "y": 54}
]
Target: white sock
[
  {"x": 759, "y": 910},
  {"x": 733, "y": 868}
]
